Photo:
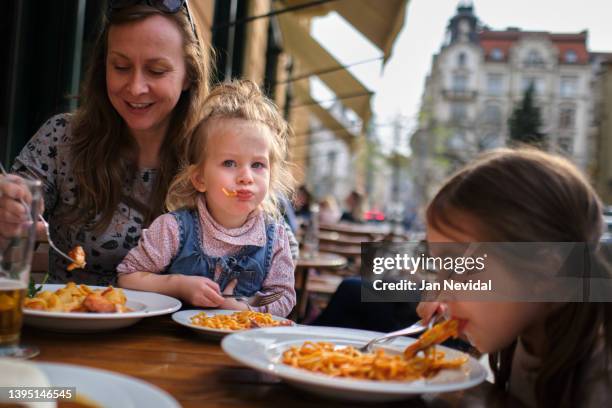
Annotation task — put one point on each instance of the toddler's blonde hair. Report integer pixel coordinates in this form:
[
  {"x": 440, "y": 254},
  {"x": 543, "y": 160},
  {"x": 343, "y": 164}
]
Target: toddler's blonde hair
[{"x": 237, "y": 99}]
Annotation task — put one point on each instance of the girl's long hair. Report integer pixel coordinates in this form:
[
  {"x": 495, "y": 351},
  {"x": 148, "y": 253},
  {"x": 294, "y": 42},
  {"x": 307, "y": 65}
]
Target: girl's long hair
[
  {"x": 237, "y": 99},
  {"x": 527, "y": 195},
  {"x": 104, "y": 155}
]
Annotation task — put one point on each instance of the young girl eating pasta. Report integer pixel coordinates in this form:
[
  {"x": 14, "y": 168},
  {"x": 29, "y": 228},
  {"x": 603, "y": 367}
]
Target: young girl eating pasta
[
  {"x": 544, "y": 354},
  {"x": 224, "y": 233}
]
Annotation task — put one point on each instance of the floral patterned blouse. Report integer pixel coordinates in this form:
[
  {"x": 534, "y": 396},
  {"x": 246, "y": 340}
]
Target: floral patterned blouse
[{"x": 47, "y": 157}]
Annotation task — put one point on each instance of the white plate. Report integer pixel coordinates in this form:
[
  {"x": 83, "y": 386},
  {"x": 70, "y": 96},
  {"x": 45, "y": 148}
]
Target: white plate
[
  {"x": 144, "y": 304},
  {"x": 184, "y": 318},
  {"x": 108, "y": 389},
  {"x": 262, "y": 350}
]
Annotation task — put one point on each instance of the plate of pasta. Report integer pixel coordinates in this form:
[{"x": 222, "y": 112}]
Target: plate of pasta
[
  {"x": 82, "y": 308},
  {"x": 325, "y": 361},
  {"x": 217, "y": 323}
]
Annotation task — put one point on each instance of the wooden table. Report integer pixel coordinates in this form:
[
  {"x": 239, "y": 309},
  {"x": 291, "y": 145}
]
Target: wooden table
[
  {"x": 196, "y": 372},
  {"x": 319, "y": 260},
  {"x": 352, "y": 228}
]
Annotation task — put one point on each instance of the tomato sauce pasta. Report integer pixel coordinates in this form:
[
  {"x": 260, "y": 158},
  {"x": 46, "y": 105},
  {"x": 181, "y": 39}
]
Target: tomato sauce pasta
[
  {"x": 237, "y": 321},
  {"x": 326, "y": 358}
]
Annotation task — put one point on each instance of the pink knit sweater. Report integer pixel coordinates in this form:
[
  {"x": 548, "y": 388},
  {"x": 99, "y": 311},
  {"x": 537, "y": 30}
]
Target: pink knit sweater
[{"x": 160, "y": 243}]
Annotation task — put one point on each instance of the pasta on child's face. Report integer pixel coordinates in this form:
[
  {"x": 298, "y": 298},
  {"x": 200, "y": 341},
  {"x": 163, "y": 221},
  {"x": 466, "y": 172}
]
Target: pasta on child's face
[{"x": 235, "y": 175}]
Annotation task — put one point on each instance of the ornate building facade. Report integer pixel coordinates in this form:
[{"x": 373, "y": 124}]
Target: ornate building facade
[{"x": 478, "y": 77}]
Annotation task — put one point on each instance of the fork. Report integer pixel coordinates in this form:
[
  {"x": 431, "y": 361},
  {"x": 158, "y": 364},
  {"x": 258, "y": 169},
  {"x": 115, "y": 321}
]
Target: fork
[
  {"x": 50, "y": 241},
  {"x": 413, "y": 329},
  {"x": 257, "y": 299},
  {"x": 45, "y": 224}
]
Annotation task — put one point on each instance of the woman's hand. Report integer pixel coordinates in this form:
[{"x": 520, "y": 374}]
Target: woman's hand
[
  {"x": 426, "y": 310},
  {"x": 200, "y": 291},
  {"x": 13, "y": 213}
]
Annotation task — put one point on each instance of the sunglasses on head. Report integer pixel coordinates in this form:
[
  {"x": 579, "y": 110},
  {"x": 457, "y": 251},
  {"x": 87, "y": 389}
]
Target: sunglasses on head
[{"x": 165, "y": 6}]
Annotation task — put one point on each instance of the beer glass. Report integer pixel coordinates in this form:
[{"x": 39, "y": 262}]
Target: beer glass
[{"x": 16, "y": 247}]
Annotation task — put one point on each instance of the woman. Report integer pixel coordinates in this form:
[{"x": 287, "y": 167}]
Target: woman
[{"x": 106, "y": 168}]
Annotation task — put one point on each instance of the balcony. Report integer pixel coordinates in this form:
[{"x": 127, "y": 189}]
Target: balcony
[{"x": 459, "y": 95}]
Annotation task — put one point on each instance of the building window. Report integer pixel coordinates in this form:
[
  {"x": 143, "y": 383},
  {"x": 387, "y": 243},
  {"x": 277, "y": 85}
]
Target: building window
[
  {"x": 565, "y": 144},
  {"x": 537, "y": 83},
  {"x": 458, "y": 112},
  {"x": 492, "y": 116},
  {"x": 495, "y": 84},
  {"x": 497, "y": 54},
  {"x": 571, "y": 57},
  {"x": 457, "y": 141},
  {"x": 534, "y": 59},
  {"x": 460, "y": 83},
  {"x": 567, "y": 117},
  {"x": 568, "y": 87},
  {"x": 462, "y": 59},
  {"x": 489, "y": 141}
]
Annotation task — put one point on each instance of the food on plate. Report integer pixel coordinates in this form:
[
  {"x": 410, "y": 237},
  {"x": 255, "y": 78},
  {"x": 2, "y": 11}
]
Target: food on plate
[
  {"x": 242, "y": 320},
  {"x": 79, "y": 298},
  {"x": 78, "y": 254},
  {"x": 229, "y": 193},
  {"x": 80, "y": 401},
  {"x": 326, "y": 358}
]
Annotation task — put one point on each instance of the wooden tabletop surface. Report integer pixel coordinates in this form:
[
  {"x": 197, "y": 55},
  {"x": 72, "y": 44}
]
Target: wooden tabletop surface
[
  {"x": 357, "y": 229},
  {"x": 196, "y": 372},
  {"x": 320, "y": 260}
]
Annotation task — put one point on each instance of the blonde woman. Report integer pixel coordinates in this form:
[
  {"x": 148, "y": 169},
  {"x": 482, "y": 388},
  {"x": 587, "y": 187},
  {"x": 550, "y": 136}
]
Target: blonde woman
[
  {"x": 225, "y": 233},
  {"x": 107, "y": 167}
]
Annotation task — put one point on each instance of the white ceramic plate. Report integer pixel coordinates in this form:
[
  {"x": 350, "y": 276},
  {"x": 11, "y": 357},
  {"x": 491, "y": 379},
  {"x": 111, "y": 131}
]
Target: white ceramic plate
[
  {"x": 143, "y": 304},
  {"x": 184, "y": 318},
  {"x": 262, "y": 350},
  {"x": 108, "y": 389}
]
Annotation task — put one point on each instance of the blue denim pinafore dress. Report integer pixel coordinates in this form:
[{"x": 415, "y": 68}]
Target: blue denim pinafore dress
[{"x": 250, "y": 265}]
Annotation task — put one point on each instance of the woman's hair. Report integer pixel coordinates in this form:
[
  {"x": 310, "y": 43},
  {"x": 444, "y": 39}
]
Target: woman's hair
[
  {"x": 531, "y": 196},
  {"x": 237, "y": 99},
  {"x": 104, "y": 156}
]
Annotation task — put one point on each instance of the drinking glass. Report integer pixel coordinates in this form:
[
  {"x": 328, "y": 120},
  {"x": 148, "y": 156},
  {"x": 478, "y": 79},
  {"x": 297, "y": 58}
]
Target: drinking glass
[{"x": 16, "y": 247}]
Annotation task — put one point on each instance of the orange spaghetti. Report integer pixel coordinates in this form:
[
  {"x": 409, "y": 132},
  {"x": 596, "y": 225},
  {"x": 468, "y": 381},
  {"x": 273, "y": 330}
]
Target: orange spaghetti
[
  {"x": 242, "y": 320},
  {"x": 326, "y": 358},
  {"x": 229, "y": 193}
]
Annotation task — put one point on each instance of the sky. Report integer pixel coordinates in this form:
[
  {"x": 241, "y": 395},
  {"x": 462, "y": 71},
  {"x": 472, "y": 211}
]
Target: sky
[{"x": 399, "y": 85}]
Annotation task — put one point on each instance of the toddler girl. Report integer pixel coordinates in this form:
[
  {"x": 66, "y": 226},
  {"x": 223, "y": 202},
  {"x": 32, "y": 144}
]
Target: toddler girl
[
  {"x": 224, "y": 234},
  {"x": 544, "y": 354}
]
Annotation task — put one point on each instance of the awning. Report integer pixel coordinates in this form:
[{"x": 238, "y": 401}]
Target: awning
[
  {"x": 380, "y": 21},
  {"x": 315, "y": 59},
  {"x": 327, "y": 119}
]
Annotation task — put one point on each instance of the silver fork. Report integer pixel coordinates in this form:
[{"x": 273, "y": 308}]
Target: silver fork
[
  {"x": 415, "y": 328},
  {"x": 50, "y": 241},
  {"x": 46, "y": 225},
  {"x": 257, "y": 299}
]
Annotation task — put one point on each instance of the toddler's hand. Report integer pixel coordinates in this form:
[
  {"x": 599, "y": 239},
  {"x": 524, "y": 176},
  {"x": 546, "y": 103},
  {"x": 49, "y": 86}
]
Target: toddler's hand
[
  {"x": 426, "y": 310},
  {"x": 230, "y": 303},
  {"x": 200, "y": 291},
  {"x": 229, "y": 289}
]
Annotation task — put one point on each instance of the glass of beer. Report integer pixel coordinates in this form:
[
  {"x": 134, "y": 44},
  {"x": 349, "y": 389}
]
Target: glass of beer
[{"x": 16, "y": 247}]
